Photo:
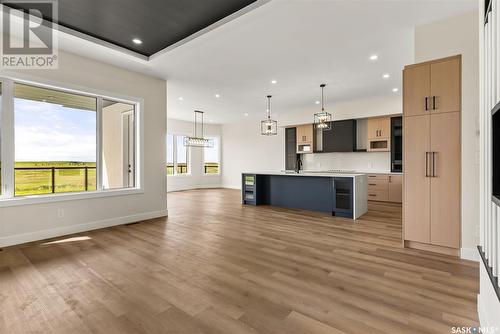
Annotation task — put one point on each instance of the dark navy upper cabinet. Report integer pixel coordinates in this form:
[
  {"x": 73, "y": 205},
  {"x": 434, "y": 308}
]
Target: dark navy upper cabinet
[{"x": 341, "y": 137}]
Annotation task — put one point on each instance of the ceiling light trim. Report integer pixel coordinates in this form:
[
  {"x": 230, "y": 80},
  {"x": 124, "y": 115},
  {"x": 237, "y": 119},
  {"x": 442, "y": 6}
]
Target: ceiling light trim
[
  {"x": 101, "y": 42},
  {"x": 211, "y": 27},
  {"x": 75, "y": 33}
]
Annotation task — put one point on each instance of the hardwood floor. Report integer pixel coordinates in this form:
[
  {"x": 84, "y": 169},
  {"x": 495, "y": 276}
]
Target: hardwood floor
[{"x": 215, "y": 266}]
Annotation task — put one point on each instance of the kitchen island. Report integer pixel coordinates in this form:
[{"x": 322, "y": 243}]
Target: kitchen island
[{"x": 340, "y": 194}]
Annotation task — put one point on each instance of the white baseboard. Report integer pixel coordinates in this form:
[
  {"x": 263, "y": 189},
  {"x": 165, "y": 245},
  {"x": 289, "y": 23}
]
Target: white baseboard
[
  {"x": 471, "y": 254},
  {"x": 192, "y": 187},
  {"x": 229, "y": 186},
  {"x": 65, "y": 230}
]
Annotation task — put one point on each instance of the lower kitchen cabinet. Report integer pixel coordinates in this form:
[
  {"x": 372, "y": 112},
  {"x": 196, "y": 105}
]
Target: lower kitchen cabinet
[
  {"x": 385, "y": 187},
  {"x": 396, "y": 188}
]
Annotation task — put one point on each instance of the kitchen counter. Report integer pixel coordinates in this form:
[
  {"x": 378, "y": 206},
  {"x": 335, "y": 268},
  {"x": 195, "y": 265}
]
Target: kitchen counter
[
  {"x": 307, "y": 173},
  {"x": 386, "y": 173},
  {"x": 341, "y": 194}
]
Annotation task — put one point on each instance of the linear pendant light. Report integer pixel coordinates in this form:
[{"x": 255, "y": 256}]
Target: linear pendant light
[
  {"x": 198, "y": 141},
  {"x": 268, "y": 127},
  {"x": 323, "y": 119}
]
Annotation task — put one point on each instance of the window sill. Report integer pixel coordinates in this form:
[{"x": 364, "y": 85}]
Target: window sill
[
  {"x": 180, "y": 175},
  {"x": 209, "y": 174},
  {"x": 62, "y": 197}
]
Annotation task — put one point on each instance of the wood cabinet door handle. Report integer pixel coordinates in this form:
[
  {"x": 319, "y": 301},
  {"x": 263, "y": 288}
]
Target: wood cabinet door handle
[
  {"x": 434, "y": 103},
  {"x": 427, "y": 164},
  {"x": 434, "y": 164},
  {"x": 426, "y": 99}
]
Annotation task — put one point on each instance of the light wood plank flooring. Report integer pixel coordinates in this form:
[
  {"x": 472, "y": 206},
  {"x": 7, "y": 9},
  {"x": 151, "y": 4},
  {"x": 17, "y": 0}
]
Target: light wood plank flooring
[{"x": 215, "y": 266}]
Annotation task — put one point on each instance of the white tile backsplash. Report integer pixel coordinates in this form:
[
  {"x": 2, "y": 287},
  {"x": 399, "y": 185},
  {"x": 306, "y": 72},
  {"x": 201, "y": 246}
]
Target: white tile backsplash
[{"x": 356, "y": 161}]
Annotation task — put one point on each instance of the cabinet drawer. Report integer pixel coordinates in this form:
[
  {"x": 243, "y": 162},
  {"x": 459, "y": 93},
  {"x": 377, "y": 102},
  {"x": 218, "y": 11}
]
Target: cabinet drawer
[
  {"x": 378, "y": 185},
  {"x": 378, "y": 195},
  {"x": 380, "y": 177}
]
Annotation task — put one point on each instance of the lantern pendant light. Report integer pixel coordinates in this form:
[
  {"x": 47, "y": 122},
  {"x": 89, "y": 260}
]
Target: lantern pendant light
[
  {"x": 268, "y": 127},
  {"x": 198, "y": 141},
  {"x": 323, "y": 119}
]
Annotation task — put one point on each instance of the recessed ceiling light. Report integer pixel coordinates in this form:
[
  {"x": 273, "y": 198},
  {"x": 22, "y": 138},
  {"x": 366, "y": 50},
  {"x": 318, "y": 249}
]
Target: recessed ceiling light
[
  {"x": 274, "y": 82},
  {"x": 317, "y": 102},
  {"x": 217, "y": 96},
  {"x": 395, "y": 90},
  {"x": 386, "y": 76},
  {"x": 181, "y": 98},
  {"x": 137, "y": 41},
  {"x": 246, "y": 114},
  {"x": 373, "y": 57}
]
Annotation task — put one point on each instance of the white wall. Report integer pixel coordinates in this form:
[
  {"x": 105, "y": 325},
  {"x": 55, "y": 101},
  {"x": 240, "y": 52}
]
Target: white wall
[
  {"x": 488, "y": 305},
  {"x": 359, "y": 161},
  {"x": 197, "y": 178},
  {"x": 460, "y": 35},
  {"x": 31, "y": 222},
  {"x": 246, "y": 150}
]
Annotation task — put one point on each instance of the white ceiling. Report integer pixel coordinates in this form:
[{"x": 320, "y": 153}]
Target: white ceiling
[{"x": 299, "y": 43}]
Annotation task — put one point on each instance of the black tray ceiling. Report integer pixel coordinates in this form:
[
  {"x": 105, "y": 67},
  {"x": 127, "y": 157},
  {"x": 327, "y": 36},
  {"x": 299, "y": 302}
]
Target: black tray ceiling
[{"x": 158, "y": 23}]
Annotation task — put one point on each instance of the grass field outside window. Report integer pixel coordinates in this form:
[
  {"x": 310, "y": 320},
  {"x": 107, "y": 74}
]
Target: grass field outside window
[{"x": 47, "y": 177}]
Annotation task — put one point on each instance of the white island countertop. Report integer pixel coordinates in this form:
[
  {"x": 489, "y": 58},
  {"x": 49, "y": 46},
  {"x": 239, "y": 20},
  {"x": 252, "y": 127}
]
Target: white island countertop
[{"x": 318, "y": 174}]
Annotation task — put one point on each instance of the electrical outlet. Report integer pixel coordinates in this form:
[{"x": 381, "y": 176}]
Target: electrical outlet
[{"x": 60, "y": 213}]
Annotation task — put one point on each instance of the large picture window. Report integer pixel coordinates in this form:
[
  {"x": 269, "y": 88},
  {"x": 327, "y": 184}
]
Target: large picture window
[
  {"x": 66, "y": 141},
  {"x": 170, "y": 154},
  {"x": 211, "y": 157},
  {"x": 118, "y": 151},
  {"x": 55, "y": 141},
  {"x": 177, "y": 155},
  {"x": 182, "y": 156}
]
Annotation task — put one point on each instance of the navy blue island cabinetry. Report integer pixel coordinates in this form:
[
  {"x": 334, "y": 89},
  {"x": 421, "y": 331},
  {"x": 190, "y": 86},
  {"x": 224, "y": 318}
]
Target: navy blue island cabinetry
[{"x": 337, "y": 194}]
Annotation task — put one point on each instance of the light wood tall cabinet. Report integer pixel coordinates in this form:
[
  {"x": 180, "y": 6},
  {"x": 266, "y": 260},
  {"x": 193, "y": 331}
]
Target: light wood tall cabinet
[
  {"x": 431, "y": 195},
  {"x": 432, "y": 87}
]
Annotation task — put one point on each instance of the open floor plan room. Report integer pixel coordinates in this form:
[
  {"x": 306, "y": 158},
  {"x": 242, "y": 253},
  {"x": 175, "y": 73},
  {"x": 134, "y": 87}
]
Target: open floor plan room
[
  {"x": 250, "y": 166},
  {"x": 224, "y": 268}
]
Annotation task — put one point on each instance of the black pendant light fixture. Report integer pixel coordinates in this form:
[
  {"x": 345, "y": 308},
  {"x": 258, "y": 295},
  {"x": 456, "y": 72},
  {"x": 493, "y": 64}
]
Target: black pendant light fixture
[
  {"x": 268, "y": 127},
  {"x": 198, "y": 141},
  {"x": 323, "y": 119}
]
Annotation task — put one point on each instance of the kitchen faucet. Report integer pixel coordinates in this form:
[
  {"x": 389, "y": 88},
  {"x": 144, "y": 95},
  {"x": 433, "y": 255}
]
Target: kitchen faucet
[{"x": 298, "y": 164}]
